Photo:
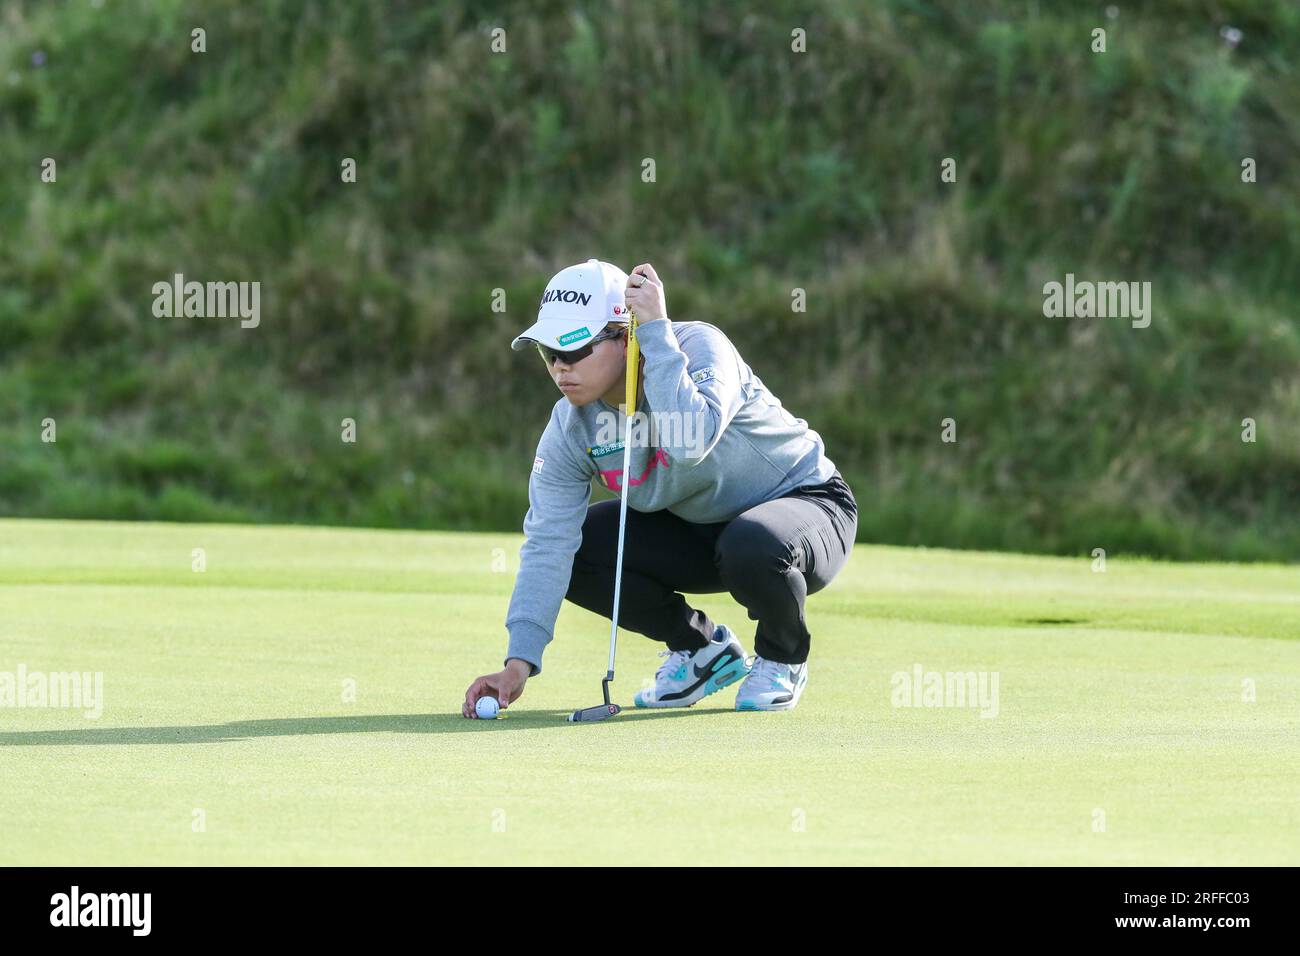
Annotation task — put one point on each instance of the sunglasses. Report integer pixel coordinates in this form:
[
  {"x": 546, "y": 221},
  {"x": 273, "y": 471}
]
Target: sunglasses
[{"x": 549, "y": 355}]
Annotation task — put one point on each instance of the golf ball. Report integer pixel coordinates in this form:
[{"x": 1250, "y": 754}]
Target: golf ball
[{"x": 486, "y": 708}]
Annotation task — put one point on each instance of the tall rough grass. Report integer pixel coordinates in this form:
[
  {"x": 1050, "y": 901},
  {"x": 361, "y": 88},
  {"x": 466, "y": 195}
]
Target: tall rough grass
[{"x": 775, "y": 170}]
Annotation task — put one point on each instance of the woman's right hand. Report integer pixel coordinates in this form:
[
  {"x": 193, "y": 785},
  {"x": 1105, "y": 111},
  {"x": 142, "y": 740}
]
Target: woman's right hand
[{"x": 505, "y": 685}]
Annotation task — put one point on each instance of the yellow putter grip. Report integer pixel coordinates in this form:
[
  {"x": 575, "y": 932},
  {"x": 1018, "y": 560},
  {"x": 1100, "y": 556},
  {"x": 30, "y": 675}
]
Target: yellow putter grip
[{"x": 633, "y": 363}]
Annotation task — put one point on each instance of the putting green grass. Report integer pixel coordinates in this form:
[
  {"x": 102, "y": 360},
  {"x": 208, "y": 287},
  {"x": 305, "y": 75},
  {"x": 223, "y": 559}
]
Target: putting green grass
[{"x": 1121, "y": 701}]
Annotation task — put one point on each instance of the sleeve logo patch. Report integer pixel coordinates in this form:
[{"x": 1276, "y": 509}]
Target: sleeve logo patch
[
  {"x": 702, "y": 375},
  {"x": 537, "y": 465}
]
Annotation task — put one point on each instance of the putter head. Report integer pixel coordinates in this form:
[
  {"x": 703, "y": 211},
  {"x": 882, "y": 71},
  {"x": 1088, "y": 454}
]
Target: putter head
[{"x": 588, "y": 714}]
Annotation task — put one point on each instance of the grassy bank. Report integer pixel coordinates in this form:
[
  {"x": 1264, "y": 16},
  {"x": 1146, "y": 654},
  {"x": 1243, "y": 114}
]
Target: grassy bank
[{"x": 775, "y": 171}]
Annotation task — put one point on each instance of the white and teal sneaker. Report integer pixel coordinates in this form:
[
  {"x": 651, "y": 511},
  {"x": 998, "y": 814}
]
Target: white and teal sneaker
[
  {"x": 689, "y": 676},
  {"x": 772, "y": 685}
]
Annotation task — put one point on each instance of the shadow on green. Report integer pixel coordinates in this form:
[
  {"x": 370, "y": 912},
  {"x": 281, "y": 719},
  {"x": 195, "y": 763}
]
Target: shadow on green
[{"x": 303, "y": 726}]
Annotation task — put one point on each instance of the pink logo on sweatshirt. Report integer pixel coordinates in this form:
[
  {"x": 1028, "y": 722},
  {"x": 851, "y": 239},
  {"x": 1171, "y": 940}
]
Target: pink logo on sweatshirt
[{"x": 613, "y": 478}]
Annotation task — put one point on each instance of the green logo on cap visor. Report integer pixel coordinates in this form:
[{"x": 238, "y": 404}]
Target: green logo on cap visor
[{"x": 577, "y": 335}]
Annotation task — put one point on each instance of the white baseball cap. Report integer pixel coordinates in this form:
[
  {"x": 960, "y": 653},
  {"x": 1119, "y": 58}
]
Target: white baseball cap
[{"x": 578, "y": 303}]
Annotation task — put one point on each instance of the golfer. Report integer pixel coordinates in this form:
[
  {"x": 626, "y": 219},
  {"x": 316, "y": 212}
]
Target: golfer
[{"x": 730, "y": 492}]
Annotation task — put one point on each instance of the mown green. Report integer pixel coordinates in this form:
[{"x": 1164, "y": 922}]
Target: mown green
[{"x": 1147, "y": 714}]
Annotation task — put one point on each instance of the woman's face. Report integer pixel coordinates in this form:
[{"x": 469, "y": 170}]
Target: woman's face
[{"x": 593, "y": 377}]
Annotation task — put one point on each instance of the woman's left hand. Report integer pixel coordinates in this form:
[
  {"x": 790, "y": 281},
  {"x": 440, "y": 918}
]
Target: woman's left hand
[{"x": 646, "y": 299}]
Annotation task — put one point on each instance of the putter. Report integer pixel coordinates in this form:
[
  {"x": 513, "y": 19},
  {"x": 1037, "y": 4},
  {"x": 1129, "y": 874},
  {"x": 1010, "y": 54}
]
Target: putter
[{"x": 607, "y": 709}]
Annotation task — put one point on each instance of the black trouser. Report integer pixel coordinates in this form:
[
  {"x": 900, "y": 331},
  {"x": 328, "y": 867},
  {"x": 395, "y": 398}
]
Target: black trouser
[{"x": 769, "y": 558}]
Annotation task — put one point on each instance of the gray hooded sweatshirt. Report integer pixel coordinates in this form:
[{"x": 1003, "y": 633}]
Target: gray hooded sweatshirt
[{"x": 726, "y": 445}]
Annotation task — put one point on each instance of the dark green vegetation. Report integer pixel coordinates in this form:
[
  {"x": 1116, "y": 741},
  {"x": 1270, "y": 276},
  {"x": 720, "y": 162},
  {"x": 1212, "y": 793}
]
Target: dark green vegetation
[{"x": 775, "y": 171}]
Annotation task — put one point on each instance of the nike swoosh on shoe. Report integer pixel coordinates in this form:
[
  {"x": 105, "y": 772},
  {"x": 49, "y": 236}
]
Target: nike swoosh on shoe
[{"x": 724, "y": 657}]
